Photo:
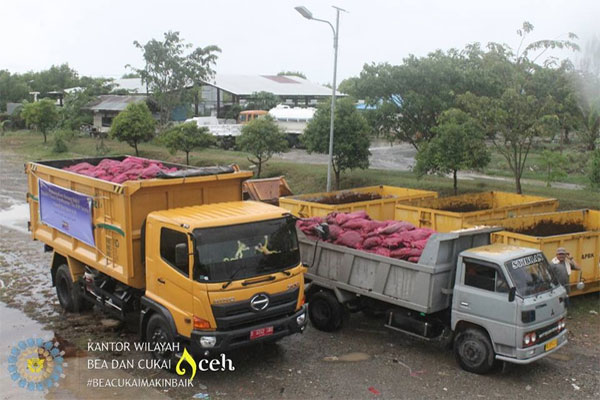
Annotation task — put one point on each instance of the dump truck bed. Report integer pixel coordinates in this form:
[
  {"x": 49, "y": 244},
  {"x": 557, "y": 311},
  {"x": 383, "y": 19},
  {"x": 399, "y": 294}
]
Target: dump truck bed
[
  {"x": 321, "y": 204},
  {"x": 422, "y": 286},
  {"x": 117, "y": 211},
  {"x": 578, "y": 231},
  {"x": 457, "y": 212}
]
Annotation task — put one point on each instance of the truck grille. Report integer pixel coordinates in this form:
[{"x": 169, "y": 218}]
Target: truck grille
[
  {"x": 239, "y": 314},
  {"x": 547, "y": 332}
]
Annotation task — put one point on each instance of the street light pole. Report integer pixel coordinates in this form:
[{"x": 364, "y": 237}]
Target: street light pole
[{"x": 308, "y": 15}]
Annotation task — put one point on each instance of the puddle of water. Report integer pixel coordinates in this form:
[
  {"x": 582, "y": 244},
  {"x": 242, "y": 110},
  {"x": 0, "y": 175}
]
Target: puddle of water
[
  {"x": 74, "y": 382},
  {"x": 15, "y": 217},
  {"x": 350, "y": 357}
]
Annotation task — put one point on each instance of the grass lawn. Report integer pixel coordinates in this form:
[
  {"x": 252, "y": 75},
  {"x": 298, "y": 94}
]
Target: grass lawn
[
  {"x": 577, "y": 161},
  {"x": 303, "y": 178}
]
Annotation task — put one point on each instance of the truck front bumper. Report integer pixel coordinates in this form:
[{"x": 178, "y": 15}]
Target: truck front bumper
[
  {"x": 229, "y": 340},
  {"x": 534, "y": 353}
]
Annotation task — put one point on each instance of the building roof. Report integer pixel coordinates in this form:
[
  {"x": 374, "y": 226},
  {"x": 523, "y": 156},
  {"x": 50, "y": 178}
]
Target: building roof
[
  {"x": 245, "y": 85},
  {"x": 114, "y": 102}
]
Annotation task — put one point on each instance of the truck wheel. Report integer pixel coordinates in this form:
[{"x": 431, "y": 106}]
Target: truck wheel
[
  {"x": 325, "y": 312},
  {"x": 69, "y": 295},
  {"x": 473, "y": 351},
  {"x": 158, "y": 331}
]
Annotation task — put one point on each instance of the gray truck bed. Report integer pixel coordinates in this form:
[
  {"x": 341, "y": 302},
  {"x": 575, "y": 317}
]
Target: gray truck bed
[{"x": 424, "y": 286}]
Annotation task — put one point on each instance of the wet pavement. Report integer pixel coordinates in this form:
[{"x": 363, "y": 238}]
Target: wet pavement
[{"x": 362, "y": 361}]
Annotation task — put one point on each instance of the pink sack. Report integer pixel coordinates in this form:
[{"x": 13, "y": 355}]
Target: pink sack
[
  {"x": 372, "y": 242},
  {"x": 406, "y": 252},
  {"x": 372, "y": 225},
  {"x": 416, "y": 235},
  {"x": 399, "y": 226},
  {"x": 150, "y": 172},
  {"x": 392, "y": 242},
  {"x": 350, "y": 239},
  {"x": 330, "y": 219},
  {"x": 419, "y": 244},
  {"x": 413, "y": 259},
  {"x": 382, "y": 251},
  {"x": 79, "y": 167},
  {"x": 356, "y": 224},
  {"x": 334, "y": 232}
]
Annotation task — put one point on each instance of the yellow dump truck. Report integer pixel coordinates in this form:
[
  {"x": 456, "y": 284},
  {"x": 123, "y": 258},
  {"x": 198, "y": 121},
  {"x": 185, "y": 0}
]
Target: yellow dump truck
[
  {"x": 578, "y": 231},
  {"x": 447, "y": 214},
  {"x": 378, "y": 201},
  {"x": 182, "y": 253}
]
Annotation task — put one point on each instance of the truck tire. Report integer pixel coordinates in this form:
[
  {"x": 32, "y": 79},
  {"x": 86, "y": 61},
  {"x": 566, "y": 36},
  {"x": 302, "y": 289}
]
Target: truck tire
[
  {"x": 325, "y": 312},
  {"x": 159, "y": 331},
  {"x": 474, "y": 351},
  {"x": 68, "y": 293}
]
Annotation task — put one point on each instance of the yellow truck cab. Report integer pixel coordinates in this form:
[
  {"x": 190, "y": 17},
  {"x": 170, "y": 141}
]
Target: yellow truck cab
[
  {"x": 222, "y": 275},
  {"x": 182, "y": 252}
]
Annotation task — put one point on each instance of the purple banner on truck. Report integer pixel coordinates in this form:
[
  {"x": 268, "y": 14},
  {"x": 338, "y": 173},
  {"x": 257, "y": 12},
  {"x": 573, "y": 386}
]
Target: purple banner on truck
[{"x": 68, "y": 211}]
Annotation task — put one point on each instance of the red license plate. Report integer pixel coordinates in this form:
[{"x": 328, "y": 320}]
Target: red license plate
[{"x": 258, "y": 333}]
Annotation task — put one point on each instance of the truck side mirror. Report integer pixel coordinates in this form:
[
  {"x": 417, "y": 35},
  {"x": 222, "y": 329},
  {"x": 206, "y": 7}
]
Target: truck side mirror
[
  {"x": 511, "y": 294},
  {"x": 181, "y": 256}
]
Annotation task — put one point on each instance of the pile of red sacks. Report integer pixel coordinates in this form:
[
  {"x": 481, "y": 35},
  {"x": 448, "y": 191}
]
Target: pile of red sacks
[
  {"x": 130, "y": 169},
  {"x": 396, "y": 239}
]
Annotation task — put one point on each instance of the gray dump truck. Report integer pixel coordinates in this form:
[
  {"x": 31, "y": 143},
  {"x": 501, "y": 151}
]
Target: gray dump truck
[{"x": 491, "y": 302}]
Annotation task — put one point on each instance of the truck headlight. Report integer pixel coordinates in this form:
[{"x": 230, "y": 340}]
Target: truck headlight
[
  {"x": 301, "y": 318},
  {"x": 208, "y": 341},
  {"x": 529, "y": 339}
]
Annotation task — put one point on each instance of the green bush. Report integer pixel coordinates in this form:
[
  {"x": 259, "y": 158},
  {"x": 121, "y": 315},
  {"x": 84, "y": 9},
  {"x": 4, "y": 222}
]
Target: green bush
[{"x": 61, "y": 138}]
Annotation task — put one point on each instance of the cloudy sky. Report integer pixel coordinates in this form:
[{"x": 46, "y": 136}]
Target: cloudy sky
[{"x": 267, "y": 36}]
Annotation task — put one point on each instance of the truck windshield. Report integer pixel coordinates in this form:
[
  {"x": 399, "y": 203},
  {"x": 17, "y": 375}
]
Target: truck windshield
[
  {"x": 245, "y": 250},
  {"x": 531, "y": 274}
]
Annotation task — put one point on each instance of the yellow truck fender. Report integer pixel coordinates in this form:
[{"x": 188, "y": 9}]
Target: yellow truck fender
[{"x": 76, "y": 268}]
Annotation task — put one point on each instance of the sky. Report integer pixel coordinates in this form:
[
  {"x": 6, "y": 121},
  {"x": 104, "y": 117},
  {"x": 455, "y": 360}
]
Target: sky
[{"x": 267, "y": 36}]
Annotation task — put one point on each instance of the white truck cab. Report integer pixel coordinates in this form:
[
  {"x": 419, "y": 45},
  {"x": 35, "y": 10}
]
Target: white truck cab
[{"x": 509, "y": 294}]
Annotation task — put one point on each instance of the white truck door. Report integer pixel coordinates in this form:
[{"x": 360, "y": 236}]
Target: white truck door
[{"x": 481, "y": 297}]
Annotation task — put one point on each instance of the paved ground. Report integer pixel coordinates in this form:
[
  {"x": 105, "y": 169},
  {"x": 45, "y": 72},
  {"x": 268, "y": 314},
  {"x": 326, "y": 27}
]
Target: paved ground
[{"x": 362, "y": 361}]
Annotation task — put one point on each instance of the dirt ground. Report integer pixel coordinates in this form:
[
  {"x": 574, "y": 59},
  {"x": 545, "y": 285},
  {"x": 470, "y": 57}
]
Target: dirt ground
[{"x": 362, "y": 361}]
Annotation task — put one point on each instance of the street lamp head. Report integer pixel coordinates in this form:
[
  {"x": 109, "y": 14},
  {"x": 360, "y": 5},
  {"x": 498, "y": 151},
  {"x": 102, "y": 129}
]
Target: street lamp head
[{"x": 304, "y": 12}]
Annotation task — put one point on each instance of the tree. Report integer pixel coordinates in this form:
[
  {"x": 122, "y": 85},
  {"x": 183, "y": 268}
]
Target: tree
[
  {"x": 262, "y": 138},
  {"x": 553, "y": 165},
  {"x": 13, "y": 89},
  {"x": 262, "y": 101},
  {"x": 187, "y": 137},
  {"x": 133, "y": 125},
  {"x": 41, "y": 114},
  {"x": 520, "y": 114},
  {"x": 594, "y": 174},
  {"x": 350, "y": 136},
  {"x": 292, "y": 73},
  {"x": 169, "y": 70},
  {"x": 410, "y": 97},
  {"x": 458, "y": 144}
]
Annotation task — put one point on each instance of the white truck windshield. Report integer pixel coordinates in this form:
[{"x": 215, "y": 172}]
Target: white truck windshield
[
  {"x": 245, "y": 250},
  {"x": 531, "y": 274}
]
